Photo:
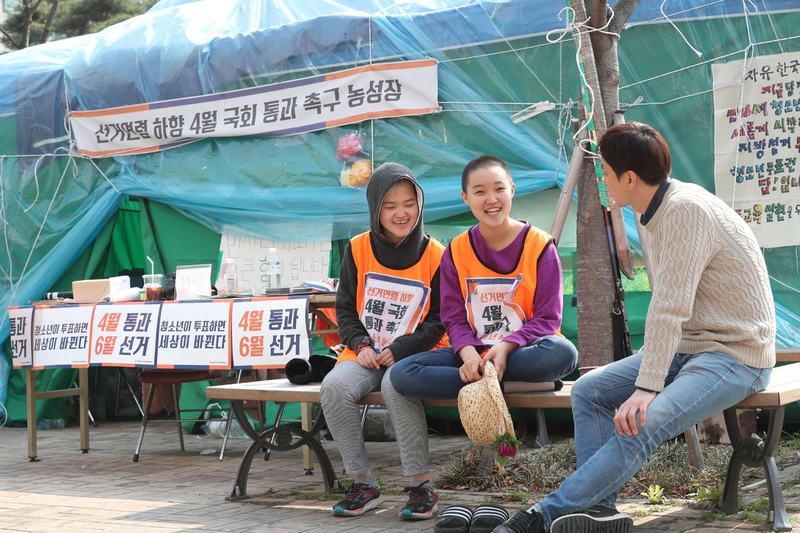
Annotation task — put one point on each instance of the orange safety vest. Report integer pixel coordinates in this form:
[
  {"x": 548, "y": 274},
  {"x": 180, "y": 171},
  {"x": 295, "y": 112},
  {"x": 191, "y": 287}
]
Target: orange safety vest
[
  {"x": 498, "y": 304},
  {"x": 391, "y": 303}
]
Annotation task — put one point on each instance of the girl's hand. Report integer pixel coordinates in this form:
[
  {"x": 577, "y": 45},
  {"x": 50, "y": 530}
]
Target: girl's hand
[
  {"x": 385, "y": 358},
  {"x": 367, "y": 358},
  {"x": 472, "y": 369}
]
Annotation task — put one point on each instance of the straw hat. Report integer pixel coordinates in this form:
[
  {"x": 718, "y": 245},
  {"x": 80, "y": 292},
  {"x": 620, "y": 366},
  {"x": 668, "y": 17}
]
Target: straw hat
[{"x": 483, "y": 410}]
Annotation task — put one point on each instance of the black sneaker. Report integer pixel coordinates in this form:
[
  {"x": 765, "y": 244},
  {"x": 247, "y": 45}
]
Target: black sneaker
[
  {"x": 597, "y": 519},
  {"x": 522, "y": 522},
  {"x": 358, "y": 499},
  {"x": 422, "y": 502}
]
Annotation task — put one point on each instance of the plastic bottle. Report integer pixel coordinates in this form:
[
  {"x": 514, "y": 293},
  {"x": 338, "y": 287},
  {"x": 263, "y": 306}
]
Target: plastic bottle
[
  {"x": 216, "y": 428},
  {"x": 51, "y": 423},
  {"x": 231, "y": 277},
  {"x": 274, "y": 269}
]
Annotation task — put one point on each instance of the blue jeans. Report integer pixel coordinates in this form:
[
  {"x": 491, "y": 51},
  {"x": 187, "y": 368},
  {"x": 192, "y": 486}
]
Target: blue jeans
[
  {"x": 434, "y": 375},
  {"x": 697, "y": 387}
]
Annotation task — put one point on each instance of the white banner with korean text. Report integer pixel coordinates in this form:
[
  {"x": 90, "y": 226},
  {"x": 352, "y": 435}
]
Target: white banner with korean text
[
  {"x": 756, "y": 144},
  {"x": 270, "y": 332},
  {"x": 344, "y": 97},
  {"x": 124, "y": 334},
  {"x": 61, "y": 336},
  {"x": 20, "y": 321},
  {"x": 194, "y": 335}
]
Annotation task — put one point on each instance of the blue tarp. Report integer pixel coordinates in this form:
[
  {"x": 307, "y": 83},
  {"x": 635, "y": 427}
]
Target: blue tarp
[{"x": 495, "y": 58}]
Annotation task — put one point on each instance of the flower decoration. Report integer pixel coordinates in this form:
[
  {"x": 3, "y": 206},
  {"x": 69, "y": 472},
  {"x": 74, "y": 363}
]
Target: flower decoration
[
  {"x": 356, "y": 176},
  {"x": 505, "y": 447},
  {"x": 348, "y": 147}
]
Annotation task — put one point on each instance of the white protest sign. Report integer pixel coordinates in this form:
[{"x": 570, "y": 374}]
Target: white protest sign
[
  {"x": 270, "y": 332},
  {"x": 305, "y": 261},
  {"x": 20, "y": 321},
  {"x": 756, "y": 144},
  {"x": 124, "y": 334},
  {"x": 61, "y": 336},
  {"x": 194, "y": 335},
  {"x": 192, "y": 281}
]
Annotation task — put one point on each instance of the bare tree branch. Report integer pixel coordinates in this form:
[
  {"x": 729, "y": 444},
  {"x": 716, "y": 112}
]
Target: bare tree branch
[
  {"x": 50, "y": 18},
  {"x": 9, "y": 37},
  {"x": 622, "y": 12}
]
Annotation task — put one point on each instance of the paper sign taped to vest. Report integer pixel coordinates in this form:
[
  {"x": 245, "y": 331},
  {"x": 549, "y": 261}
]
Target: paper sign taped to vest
[
  {"x": 392, "y": 307},
  {"x": 490, "y": 308}
]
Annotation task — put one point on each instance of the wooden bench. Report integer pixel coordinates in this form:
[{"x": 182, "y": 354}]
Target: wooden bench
[{"x": 784, "y": 389}]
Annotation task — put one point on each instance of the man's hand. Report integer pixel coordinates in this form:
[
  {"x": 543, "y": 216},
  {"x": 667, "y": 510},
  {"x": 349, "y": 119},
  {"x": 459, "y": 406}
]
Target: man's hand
[
  {"x": 625, "y": 419},
  {"x": 499, "y": 354},
  {"x": 471, "y": 369},
  {"x": 385, "y": 358},
  {"x": 368, "y": 358}
]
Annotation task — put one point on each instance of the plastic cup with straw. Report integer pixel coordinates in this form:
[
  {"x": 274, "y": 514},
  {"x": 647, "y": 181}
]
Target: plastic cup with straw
[{"x": 152, "y": 283}]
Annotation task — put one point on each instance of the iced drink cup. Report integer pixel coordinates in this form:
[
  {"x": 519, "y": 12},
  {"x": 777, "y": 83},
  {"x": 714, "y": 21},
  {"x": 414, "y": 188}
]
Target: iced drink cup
[{"x": 152, "y": 286}]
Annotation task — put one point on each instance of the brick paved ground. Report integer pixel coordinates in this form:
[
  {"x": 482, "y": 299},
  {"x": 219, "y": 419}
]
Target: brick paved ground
[{"x": 169, "y": 491}]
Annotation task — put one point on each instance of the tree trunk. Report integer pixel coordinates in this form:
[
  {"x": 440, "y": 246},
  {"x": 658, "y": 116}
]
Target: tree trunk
[{"x": 595, "y": 286}]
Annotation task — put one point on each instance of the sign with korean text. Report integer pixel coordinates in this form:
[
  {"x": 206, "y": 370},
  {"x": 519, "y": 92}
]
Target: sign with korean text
[
  {"x": 491, "y": 310},
  {"x": 61, "y": 336},
  {"x": 300, "y": 261},
  {"x": 268, "y": 333},
  {"x": 375, "y": 91},
  {"x": 194, "y": 335},
  {"x": 392, "y": 307},
  {"x": 125, "y": 334},
  {"x": 20, "y": 321},
  {"x": 757, "y": 143}
]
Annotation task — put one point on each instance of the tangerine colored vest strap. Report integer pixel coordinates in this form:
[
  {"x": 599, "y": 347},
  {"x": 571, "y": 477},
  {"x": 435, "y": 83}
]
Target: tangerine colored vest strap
[
  {"x": 498, "y": 303},
  {"x": 398, "y": 300}
]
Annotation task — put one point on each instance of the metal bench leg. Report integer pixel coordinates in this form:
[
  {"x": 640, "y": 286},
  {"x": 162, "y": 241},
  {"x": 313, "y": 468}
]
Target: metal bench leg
[
  {"x": 753, "y": 452},
  {"x": 285, "y": 438}
]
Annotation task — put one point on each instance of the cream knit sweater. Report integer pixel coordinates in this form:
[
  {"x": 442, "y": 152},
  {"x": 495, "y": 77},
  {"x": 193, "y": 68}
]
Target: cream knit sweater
[{"x": 710, "y": 286}]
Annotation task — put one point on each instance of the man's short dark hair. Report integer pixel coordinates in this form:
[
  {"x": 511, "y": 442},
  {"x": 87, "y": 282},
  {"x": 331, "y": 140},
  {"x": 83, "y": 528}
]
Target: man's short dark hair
[
  {"x": 638, "y": 147},
  {"x": 482, "y": 162}
]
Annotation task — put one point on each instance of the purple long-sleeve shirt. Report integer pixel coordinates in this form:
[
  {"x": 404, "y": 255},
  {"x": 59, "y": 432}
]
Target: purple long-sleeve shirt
[{"x": 548, "y": 297}]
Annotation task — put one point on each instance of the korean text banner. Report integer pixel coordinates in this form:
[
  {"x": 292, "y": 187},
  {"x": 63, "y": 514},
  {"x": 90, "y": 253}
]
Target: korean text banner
[
  {"x": 297, "y": 106},
  {"x": 756, "y": 144}
]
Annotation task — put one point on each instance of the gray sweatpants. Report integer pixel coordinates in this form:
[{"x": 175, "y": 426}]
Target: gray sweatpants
[{"x": 347, "y": 383}]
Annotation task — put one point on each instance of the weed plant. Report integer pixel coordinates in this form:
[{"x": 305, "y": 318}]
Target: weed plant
[{"x": 541, "y": 470}]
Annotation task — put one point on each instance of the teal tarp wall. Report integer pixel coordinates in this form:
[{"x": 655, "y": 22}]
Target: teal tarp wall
[{"x": 495, "y": 58}]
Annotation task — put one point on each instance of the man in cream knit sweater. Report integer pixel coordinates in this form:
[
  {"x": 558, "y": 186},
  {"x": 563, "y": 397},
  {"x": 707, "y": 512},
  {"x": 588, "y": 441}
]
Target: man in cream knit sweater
[{"x": 709, "y": 337}]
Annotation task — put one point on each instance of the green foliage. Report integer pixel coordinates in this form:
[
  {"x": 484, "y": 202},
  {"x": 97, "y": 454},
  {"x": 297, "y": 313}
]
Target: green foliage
[
  {"x": 638, "y": 283},
  {"x": 654, "y": 494},
  {"x": 73, "y": 18},
  {"x": 712, "y": 495}
]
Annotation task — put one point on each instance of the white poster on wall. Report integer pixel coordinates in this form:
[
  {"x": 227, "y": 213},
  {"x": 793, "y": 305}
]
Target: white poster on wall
[
  {"x": 757, "y": 142},
  {"x": 305, "y": 261}
]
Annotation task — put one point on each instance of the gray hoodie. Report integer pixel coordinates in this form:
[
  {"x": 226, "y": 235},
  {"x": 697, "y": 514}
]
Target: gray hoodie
[{"x": 397, "y": 257}]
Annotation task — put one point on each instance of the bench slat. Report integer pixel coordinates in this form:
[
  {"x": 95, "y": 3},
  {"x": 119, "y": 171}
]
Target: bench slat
[{"x": 784, "y": 388}]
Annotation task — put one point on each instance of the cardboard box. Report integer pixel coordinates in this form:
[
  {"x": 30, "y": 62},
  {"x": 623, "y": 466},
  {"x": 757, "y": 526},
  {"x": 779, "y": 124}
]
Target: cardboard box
[
  {"x": 90, "y": 290},
  {"x": 94, "y": 290}
]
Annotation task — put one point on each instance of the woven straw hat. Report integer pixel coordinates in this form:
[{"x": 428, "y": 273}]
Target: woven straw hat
[{"x": 483, "y": 410}]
